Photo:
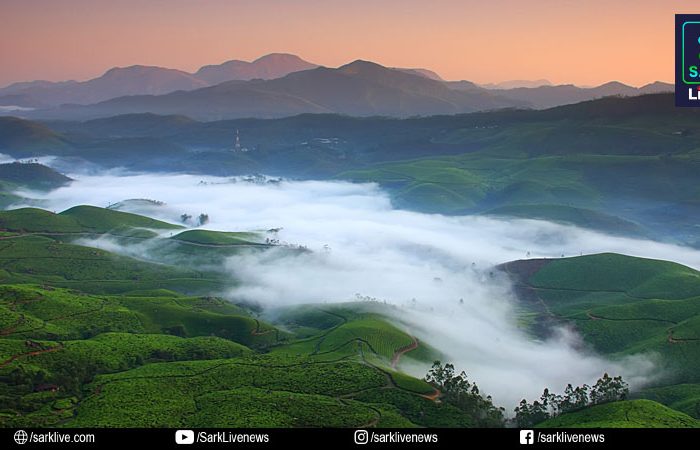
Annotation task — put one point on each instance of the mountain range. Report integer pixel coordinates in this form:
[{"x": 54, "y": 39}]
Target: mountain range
[
  {"x": 279, "y": 85},
  {"x": 147, "y": 80}
]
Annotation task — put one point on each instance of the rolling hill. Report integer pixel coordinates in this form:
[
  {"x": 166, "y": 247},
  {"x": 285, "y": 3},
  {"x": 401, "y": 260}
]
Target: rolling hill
[
  {"x": 87, "y": 335},
  {"x": 620, "y": 165},
  {"x": 20, "y": 138},
  {"x": 81, "y": 329},
  {"x": 27, "y": 176},
  {"x": 546, "y": 95},
  {"x": 622, "y": 305},
  {"x": 625, "y": 414},
  {"x": 31, "y": 176}
]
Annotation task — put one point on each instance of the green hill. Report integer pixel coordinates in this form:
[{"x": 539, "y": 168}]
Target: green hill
[
  {"x": 71, "y": 359},
  {"x": 52, "y": 262},
  {"x": 610, "y": 163},
  {"x": 32, "y": 176},
  {"x": 82, "y": 328},
  {"x": 636, "y": 277},
  {"x": 581, "y": 217},
  {"x": 63, "y": 338},
  {"x": 23, "y": 138},
  {"x": 103, "y": 220},
  {"x": 222, "y": 238},
  {"x": 79, "y": 219},
  {"x": 622, "y": 306},
  {"x": 624, "y": 414},
  {"x": 681, "y": 397}
]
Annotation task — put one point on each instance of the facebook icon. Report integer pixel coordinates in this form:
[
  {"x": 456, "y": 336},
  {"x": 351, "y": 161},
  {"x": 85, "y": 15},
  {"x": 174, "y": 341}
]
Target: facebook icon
[{"x": 527, "y": 437}]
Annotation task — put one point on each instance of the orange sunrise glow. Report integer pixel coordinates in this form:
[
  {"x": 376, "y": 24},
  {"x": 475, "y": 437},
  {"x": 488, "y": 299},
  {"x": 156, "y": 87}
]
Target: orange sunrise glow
[{"x": 581, "y": 42}]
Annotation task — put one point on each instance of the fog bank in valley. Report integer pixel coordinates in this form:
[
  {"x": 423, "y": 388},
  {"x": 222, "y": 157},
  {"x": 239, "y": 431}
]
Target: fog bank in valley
[{"x": 437, "y": 269}]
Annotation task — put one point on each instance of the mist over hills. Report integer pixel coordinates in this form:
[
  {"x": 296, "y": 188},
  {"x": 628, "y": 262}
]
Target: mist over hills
[
  {"x": 279, "y": 85},
  {"x": 350, "y": 216},
  {"x": 603, "y": 164}
]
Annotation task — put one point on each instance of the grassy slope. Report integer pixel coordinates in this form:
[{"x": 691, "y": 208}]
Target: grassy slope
[
  {"x": 583, "y": 217},
  {"x": 103, "y": 220},
  {"x": 124, "y": 327},
  {"x": 40, "y": 259},
  {"x": 207, "y": 237},
  {"x": 23, "y": 138},
  {"x": 79, "y": 219},
  {"x": 597, "y": 190},
  {"x": 601, "y": 164},
  {"x": 287, "y": 387},
  {"x": 625, "y": 414},
  {"x": 635, "y": 159},
  {"x": 624, "y": 305},
  {"x": 32, "y": 176},
  {"x": 119, "y": 344}
]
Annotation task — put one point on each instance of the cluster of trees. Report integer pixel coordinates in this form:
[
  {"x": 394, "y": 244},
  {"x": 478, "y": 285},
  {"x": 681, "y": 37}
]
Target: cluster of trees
[
  {"x": 607, "y": 389},
  {"x": 202, "y": 219},
  {"x": 368, "y": 299},
  {"x": 457, "y": 390}
]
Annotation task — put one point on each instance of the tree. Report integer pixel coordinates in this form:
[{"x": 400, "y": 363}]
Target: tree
[
  {"x": 184, "y": 218},
  {"x": 203, "y": 219},
  {"x": 605, "y": 390},
  {"x": 608, "y": 390},
  {"x": 458, "y": 391},
  {"x": 527, "y": 415}
]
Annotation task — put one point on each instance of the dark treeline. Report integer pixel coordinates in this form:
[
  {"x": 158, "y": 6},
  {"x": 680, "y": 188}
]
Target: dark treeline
[{"x": 457, "y": 390}]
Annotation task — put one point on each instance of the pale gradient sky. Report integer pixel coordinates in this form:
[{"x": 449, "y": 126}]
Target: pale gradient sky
[{"x": 566, "y": 41}]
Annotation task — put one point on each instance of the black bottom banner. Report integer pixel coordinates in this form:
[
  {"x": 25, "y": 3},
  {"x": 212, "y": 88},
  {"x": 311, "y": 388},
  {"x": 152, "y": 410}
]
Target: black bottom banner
[{"x": 345, "y": 438}]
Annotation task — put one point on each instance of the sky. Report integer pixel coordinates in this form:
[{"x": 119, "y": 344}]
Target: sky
[{"x": 565, "y": 41}]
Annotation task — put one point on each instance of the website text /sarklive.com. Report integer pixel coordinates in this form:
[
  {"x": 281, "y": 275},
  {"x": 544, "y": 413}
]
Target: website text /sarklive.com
[{"x": 22, "y": 437}]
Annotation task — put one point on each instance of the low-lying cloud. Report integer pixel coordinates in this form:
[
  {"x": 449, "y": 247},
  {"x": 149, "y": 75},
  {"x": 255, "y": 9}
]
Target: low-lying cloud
[{"x": 436, "y": 268}]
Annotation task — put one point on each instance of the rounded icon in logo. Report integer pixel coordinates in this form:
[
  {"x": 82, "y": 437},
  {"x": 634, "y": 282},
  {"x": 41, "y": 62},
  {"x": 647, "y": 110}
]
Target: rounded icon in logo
[
  {"x": 184, "y": 437},
  {"x": 361, "y": 437},
  {"x": 21, "y": 437}
]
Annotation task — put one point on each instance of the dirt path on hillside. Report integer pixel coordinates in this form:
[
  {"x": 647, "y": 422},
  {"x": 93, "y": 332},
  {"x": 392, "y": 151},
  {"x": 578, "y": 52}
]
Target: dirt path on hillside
[
  {"x": 400, "y": 351},
  {"x": 33, "y": 353},
  {"x": 672, "y": 340},
  {"x": 435, "y": 395}
]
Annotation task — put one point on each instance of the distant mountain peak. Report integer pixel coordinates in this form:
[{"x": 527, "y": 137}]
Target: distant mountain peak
[
  {"x": 615, "y": 84},
  {"x": 426, "y": 73},
  {"x": 278, "y": 57},
  {"x": 360, "y": 64},
  {"x": 267, "y": 67},
  {"x": 140, "y": 69},
  {"x": 514, "y": 84}
]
